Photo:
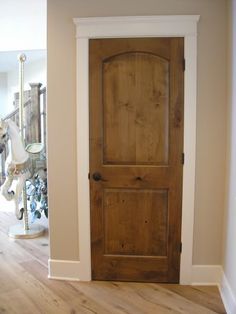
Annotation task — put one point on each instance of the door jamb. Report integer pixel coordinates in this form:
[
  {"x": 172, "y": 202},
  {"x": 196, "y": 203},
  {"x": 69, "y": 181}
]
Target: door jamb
[{"x": 128, "y": 27}]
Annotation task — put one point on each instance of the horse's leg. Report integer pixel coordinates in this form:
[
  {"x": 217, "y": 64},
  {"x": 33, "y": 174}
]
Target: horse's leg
[
  {"x": 9, "y": 195},
  {"x": 19, "y": 189}
]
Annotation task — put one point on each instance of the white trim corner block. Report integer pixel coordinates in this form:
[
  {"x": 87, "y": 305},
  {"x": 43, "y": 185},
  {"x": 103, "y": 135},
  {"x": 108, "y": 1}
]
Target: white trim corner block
[{"x": 127, "y": 27}]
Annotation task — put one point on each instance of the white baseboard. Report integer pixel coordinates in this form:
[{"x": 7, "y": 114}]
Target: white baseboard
[
  {"x": 229, "y": 299},
  {"x": 206, "y": 275},
  {"x": 63, "y": 270},
  {"x": 201, "y": 275},
  {"x": 214, "y": 275}
]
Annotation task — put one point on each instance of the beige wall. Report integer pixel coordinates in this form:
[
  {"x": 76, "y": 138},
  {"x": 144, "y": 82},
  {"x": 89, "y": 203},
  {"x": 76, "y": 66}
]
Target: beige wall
[
  {"x": 211, "y": 117},
  {"x": 229, "y": 248}
]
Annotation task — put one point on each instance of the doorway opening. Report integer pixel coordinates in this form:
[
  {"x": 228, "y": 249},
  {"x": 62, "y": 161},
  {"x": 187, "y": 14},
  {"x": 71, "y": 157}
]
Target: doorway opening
[
  {"x": 126, "y": 27},
  {"x": 23, "y": 32},
  {"x": 136, "y": 145}
]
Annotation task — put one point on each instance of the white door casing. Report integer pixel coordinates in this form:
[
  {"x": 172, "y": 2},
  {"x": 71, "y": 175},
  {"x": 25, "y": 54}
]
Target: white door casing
[{"x": 128, "y": 27}]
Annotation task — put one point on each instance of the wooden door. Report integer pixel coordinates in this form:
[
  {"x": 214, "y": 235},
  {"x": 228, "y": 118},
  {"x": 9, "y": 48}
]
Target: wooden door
[{"x": 136, "y": 145}]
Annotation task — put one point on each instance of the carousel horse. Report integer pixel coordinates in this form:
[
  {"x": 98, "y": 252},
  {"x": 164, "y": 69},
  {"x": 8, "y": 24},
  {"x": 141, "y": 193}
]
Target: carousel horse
[{"x": 20, "y": 164}]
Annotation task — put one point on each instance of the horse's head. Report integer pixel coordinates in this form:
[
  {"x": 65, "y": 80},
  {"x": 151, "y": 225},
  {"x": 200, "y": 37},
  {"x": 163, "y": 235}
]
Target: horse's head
[{"x": 3, "y": 135}]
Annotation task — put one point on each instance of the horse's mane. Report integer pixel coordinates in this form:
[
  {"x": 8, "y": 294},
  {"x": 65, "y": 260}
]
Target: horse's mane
[{"x": 13, "y": 125}]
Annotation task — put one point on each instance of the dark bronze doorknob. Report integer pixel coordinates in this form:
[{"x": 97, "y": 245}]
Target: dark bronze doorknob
[{"x": 97, "y": 176}]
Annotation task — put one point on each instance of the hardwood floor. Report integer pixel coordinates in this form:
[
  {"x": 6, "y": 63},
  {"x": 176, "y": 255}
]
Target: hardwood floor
[{"x": 25, "y": 288}]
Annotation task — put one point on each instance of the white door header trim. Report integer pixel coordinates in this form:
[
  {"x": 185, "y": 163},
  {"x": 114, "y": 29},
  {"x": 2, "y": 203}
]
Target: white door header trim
[{"x": 136, "y": 26}]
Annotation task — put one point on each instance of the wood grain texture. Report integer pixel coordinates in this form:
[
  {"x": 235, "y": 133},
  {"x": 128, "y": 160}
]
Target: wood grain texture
[
  {"x": 135, "y": 100},
  {"x": 135, "y": 222},
  {"x": 136, "y": 144},
  {"x": 25, "y": 288}
]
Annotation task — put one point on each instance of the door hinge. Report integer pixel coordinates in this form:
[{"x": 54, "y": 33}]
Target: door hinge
[
  {"x": 89, "y": 176},
  {"x": 182, "y": 158},
  {"x": 180, "y": 247},
  {"x": 183, "y": 64}
]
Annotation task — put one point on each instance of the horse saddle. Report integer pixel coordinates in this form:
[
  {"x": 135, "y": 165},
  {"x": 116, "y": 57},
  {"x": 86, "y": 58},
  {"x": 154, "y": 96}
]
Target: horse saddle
[{"x": 35, "y": 148}]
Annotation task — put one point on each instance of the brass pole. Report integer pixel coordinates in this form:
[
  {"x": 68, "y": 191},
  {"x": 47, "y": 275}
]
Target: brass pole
[{"x": 22, "y": 59}]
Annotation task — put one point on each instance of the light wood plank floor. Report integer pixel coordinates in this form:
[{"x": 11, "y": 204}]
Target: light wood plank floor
[{"x": 25, "y": 288}]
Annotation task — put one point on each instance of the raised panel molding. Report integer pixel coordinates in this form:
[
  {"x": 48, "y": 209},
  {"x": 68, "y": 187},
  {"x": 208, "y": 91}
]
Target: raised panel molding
[
  {"x": 125, "y": 27},
  {"x": 120, "y": 207},
  {"x": 152, "y": 73}
]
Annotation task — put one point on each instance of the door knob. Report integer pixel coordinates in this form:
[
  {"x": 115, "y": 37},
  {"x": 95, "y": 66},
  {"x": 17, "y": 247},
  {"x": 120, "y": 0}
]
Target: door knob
[{"x": 97, "y": 176}]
